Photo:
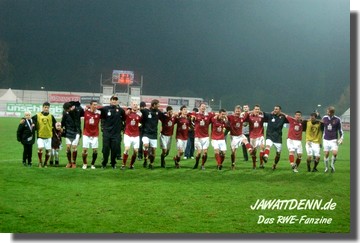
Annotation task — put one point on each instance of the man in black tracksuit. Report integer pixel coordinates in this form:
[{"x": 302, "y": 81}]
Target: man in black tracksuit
[
  {"x": 150, "y": 120},
  {"x": 141, "y": 152},
  {"x": 275, "y": 121},
  {"x": 112, "y": 119}
]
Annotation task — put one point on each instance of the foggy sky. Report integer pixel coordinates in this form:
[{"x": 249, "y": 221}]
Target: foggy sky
[{"x": 295, "y": 53}]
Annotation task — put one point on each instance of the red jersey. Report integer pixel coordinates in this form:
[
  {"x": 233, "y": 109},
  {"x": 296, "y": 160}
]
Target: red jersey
[
  {"x": 217, "y": 129},
  {"x": 256, "y": 125},
  {"x": 182, "y": 127},
  {"x": 202, "y": 122},
  {"x": 91, "y": 123},
  {"x": 132, "y": 121},
  {"x": 168, "y": 123},
  {"x": 236, "y": 124},
  {"x": 295, "y": 128}
]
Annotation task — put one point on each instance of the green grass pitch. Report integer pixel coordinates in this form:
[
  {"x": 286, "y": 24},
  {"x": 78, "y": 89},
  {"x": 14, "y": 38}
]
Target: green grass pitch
[{"x": 61, "y": 200}]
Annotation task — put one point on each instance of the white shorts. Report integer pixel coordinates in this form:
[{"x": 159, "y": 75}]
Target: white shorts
[
  {"x": 312, "y": 149},
  {"x": 330, "y": 145},
  {"x": 90, "y": 142},
  {"x": 181, "y": 144},
  {"x": 270, "y": 143},
  {"x": 165, "y": 141},
  {"x": 294, "y": 145},
  {"x": 219, "y": 144},
  {"x": 73, "y": 142},
  {"x": 152, "y": 142},
  {"x": 236, "y": 141},
  {"x": 257, "y": 142},
  {"x": 44, "y": 143},
  {"x": 131, "y": 141},
  {"x": 201, "y": 143}
]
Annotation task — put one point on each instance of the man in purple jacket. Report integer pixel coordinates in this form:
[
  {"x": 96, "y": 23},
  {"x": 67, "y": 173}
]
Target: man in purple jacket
[{"x": 333, "y": 137}]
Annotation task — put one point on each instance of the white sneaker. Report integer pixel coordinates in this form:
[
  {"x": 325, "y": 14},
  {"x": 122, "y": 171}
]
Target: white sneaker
[
  {"x": 192, "y": 158},
  {"x": 93, "y": 167},
  {"x": 185, "y": 157},
  {"x": 295, "y": 170},
  {"x": 84, "y": 166},
  {"x": 326, "y": 169}
]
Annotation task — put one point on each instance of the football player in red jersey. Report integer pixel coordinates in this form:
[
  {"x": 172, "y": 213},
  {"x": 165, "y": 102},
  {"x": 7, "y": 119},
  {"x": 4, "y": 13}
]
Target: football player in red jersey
[
  {"x": 218, "y": 124},
  {"x": 91, "y": 133},
  {"x": 202, "y": 120},
  {"x": 256, "y": 131},
  {"x": 166, "y": 134},
  {"x": 294, "y": 139},
  {"x": 133, "y": 119},
  {"x": 237, "y": 138},
  {"x": 182, "y": 134}
]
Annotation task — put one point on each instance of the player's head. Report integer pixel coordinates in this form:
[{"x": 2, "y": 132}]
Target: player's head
[
  {"x": 58, "y": 125},
  {"x": 67, "y": 106},
  {"x": 114, "y": 100},
  {"x": 134, "y": 106},
  {"x": 246, "y": 108},
  {"x": 298, "y": 115},
  {"x": 142, "y": 105},
  {"x": 169, "y": 109},
  {"x": 313, "y": 116},
  {"x": 27, "y": 114},
  {"x": 277, "y": 109},
  {"x": 93, "y": 104},
  {"x": 222, "y": 113},
  {"x": 183, "y": 110},
  {"x": 46, "y": 107},
  {"x": 256, "y": 109},
  {"x": 330, "y": 110},
  {"x": 237, "y": 110},
  {"x": 202, "y": 107},
  {"x": 155, "y": 103}
]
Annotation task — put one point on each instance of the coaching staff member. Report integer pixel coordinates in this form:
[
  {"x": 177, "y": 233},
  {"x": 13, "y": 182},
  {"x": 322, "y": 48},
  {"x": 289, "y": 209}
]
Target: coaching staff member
[{"x": 112, "y": 120}]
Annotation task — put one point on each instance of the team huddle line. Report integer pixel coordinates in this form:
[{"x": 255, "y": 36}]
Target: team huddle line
[{"x": 137, "y": 127}]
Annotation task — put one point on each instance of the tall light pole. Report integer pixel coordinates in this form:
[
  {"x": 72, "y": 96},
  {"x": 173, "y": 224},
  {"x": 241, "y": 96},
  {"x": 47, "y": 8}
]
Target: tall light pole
[
  {"x": 211, "y": 102},
  {"x": 318, "y": 107},
  {"x": 47, "y": 92}
]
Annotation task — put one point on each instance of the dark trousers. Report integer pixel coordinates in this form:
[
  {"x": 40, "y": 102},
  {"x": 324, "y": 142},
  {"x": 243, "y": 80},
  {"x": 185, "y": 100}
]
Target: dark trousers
[
  {"x": 141, "y": 150},
  {"x": 190, "y": 147},
  {"x": 111, "y": 146},
  {"x": 27, "y": 153},
  {"x": 244, "y": 149},
  {"x": 118, "y": 156}
]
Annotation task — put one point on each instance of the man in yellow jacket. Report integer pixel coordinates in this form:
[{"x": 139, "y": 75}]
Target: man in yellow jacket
[
  {"x": 44, "y": 124},
  {"x": 313, "y": 134}
]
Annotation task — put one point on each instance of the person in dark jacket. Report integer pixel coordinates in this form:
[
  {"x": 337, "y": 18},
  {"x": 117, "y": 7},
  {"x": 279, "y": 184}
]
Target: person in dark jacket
[
  {"x": 26, "y": 135},
  {"x": 112, "y": 120},
  {"x": 190, "y": 145},
  {"x": 141, "y": 152},
  {"x": 70, "y": 122},
  {"x": 56, "y": 144},
  {"x": 150, "y": 120}
]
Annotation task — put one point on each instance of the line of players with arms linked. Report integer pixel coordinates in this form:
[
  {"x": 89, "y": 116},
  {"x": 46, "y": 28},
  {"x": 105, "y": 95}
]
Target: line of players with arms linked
[{"x": 139, "y": 126}]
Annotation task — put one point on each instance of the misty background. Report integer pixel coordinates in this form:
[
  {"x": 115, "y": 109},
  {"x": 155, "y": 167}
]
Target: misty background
[{"x": 294, "y": 53}]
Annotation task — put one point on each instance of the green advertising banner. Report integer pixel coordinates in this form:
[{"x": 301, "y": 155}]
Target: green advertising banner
[{"x": 18, "y": 109}]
